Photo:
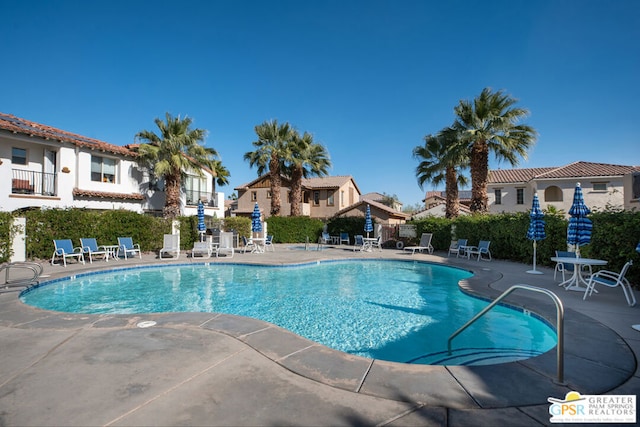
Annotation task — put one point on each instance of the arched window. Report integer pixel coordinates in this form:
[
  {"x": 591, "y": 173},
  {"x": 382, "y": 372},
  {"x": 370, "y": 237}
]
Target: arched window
[{"x": 553, "y": 194}]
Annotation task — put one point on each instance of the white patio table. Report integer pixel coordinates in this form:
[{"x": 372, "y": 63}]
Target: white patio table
[{"x": 573, "y": 283}]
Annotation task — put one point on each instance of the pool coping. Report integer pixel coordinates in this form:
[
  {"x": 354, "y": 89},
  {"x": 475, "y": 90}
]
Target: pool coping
[{"x": 458, "y": 387}]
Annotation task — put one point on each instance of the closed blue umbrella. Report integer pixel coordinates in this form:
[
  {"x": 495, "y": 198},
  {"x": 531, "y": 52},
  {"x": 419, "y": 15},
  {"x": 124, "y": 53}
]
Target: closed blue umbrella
[
  {"x": 256, "y": 224},
  {"x": 201, "y": 226},
  {"x": 368, "y": 224},
  {"x": 579, "y": 230},
  {"x": 536, "y": 229}
]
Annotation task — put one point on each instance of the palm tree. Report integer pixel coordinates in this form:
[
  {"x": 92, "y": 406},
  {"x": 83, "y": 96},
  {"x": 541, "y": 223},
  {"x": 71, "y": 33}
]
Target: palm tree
[
  {"x": 489, "y": 125},
  {"x": 308, "y": 158},
  {"x": 272, "y": 151},
  {"x": 169, "y": 154},
  {"x": 442, "y": 155}
]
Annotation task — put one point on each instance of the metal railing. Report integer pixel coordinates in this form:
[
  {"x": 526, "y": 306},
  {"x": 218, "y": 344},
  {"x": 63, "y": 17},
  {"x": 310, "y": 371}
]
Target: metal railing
[
  {"x": 559, "y": 323},
  {"x": 32, "y": 182},
  {"x": 208, "y": 199}
]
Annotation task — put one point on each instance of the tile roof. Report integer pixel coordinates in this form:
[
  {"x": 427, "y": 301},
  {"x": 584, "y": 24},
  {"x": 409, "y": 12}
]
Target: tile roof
[
  {"x": 17, "y": 125},
  {"x": 392, "y": 212},
  {"x": 572, "y": 170},
  {"x": 326, "y": 182},
  {"x": 106, "y": 195}
]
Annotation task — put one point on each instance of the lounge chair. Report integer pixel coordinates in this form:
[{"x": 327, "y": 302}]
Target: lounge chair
[
  {"x": 226, "y": 244},
  {"x": 127, "y": 248},
  {"x": 344, "y": 238},
  {"x": 358, "y": 242},
  {"x": 376, "y": 243},
  {"x": 20, "y": 275},
  {"x": 612, "y": 280},
  {"x": 268, "y": 243},
  {"x": 90, "y": 247},
  {"x": 248, "y": 245},
  {"x": 563, "y": 267},
  {"x": 201, "y": 248},
  {"x": 480, "y": 250},
  {"x": 324, "y": 239},
  {"x": 457, "y": 247},
  {"x": 425, "y": 244},
  {"x": 170, "y": 245},
  {"x": 64, "y": 249}
]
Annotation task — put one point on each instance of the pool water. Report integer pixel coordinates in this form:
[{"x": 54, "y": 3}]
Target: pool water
[{"x": 391, "y": 310}]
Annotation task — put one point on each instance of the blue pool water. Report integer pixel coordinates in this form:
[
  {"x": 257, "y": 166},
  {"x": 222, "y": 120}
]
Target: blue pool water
[{"x": 391, "y": 310}]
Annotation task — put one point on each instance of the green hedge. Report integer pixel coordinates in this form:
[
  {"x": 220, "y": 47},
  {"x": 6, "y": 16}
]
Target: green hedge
[{"x": 615, "y": 234}]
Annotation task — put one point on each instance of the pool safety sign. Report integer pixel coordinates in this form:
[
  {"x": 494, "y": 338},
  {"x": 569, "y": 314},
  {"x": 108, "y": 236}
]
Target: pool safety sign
[{"x": 584, "y": 408}]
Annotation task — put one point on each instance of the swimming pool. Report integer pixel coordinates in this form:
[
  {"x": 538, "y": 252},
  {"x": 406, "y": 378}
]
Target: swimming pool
[{"x": 401, "y": 311}]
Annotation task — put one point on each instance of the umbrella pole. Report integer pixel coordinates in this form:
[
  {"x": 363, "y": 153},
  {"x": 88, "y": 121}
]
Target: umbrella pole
[{"x": 534, "y": 271}]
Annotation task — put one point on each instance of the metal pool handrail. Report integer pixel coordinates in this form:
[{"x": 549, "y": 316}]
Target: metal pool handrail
[{"x": 559, "y": 323}]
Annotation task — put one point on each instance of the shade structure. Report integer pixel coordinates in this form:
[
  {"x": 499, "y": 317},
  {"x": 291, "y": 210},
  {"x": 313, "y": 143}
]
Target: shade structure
[
  {"x": 368, "y": 224},
  {"x": 256, "y": 224},
  {"x": 201, "y": 225},
  {"x": 579, "y": 230},
  {"x": 536, "y": 230}
]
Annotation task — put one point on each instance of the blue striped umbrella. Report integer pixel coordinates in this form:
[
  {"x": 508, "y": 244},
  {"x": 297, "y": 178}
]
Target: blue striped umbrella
[
  {"x": 579, "y": 230},
  {"x": 256, "y": 224},
  {"x": 638, "y": 248},
  {"x": 368, "y": 224},
  {"x": 201, "y": 226},
  {"x": 536, "y": 229}
]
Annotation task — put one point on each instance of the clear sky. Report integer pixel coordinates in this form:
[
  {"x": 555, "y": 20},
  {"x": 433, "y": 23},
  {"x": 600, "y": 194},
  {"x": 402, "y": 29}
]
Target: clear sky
[{"x": 369, "y": 79}]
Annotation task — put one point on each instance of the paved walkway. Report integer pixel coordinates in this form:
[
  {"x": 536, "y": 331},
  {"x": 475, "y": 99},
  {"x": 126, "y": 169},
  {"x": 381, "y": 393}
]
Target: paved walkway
[{"x": 216, "y": 369}]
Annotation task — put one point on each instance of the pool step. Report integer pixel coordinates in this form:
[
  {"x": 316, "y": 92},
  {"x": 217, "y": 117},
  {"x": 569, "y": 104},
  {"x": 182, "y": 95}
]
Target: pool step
[{"x": 474, "y": 356}]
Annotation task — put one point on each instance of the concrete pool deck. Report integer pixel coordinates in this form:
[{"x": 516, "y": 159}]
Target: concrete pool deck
[{"x": 217, "y": 369}]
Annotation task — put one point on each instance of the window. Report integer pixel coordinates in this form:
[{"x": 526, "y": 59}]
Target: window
[
  {"x": 268, "y": 194},
  {"x": 520, "y": 196},
  {"x": 342, "y": 198},
  {"x": 330, "y": 197},
  {"x": 498, "y": 194},
  {"x": 599, "y": 186},
  {"x": 254, "y": 196},
  {"x": 196, "y": 189},
  {"x": 18, "y": 156},
  {"x": 103, "y": 169},
  {"x": 316, "y": 198}
]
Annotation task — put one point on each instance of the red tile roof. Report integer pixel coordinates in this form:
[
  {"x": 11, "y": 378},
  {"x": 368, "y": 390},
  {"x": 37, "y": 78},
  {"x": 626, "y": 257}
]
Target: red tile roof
[
  {"x": 572, "y": 170},
  {"x": 15, "y": 124}
]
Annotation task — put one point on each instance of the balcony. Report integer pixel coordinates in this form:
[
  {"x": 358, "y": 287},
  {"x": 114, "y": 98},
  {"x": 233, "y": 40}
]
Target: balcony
[
  {"x": 32, "y": 182},
  {"x": 208, "y": 199}
]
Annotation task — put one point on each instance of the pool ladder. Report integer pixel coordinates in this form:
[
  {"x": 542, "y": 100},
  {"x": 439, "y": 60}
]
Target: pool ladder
[{"x": 559, "y": 323}]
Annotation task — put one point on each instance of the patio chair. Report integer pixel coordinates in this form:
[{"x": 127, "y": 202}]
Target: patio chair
[
  {"x": 563, "y": 267},
  {"x": 226, "y": 244},
  {"x": 170, "y": 245},
  {"x": 90, "y": 247},
  {"x": 201, "y": 248},
  {"x": 358, "y": 242},
  {"x": 457, "y": 247},
  {"x": 377, "y": 243},
  {"x": 64, "y": 249},
  {"x": 324, "y": 239},
  {"x": 425, "y": 244},
  {"x": 612, "y": 280},
  {"x": 480, "y": 250},
  {"x": 127, "y": 248},
  {"x": 248, "y": 245},
  {"x": 20, "y": 275},
  {"x": 344, "y": 238},
  {"x": 268, "y": 243}
]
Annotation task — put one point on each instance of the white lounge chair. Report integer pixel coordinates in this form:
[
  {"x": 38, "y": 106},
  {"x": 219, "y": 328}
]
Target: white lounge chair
[
  {"x": 64, "y": 249},
  {"x": 248, "y": 245},
  {"x": 480, "y": 250},
  {"x": 202, "y": 249},
  {"x": 425, "y": 244},
  {"x": 171, "y": 245},
  {"x": 127, "y": 248},
  {"x": 226, "y": 244},
  {"x": 612, "y": 280},
  {"x": 90, "y": 247},
  {"x": 377, "y": 243}
]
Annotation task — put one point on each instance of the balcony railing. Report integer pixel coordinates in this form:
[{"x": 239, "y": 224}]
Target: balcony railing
[
  {"x": 32, "y": 182},
  {"x": 208, "y": 199}
]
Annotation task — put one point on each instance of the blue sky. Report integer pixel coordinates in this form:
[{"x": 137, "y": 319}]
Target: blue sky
[{"x": 369, "y": 79}]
